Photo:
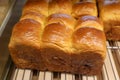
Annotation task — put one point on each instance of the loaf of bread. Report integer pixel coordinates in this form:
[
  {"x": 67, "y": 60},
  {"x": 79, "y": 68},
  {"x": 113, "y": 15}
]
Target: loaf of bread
[
  {"x": 48, "y": 37},
  {"x": 85, "y": 7},
  {"x": 110, "y": 15},
  {"x": 89, "y": 46}
]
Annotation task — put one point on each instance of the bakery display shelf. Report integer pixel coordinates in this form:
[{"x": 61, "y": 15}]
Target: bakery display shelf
[{"x": 110, "y": 71}]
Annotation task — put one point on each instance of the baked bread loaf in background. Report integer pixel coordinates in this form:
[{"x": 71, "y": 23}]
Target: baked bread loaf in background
[
  {"x": 110, "y": 15},
  {"x": 48, "y": 37}
]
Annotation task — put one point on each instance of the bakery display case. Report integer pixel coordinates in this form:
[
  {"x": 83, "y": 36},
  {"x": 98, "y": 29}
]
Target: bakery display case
[{"x": 8, "y": 70}]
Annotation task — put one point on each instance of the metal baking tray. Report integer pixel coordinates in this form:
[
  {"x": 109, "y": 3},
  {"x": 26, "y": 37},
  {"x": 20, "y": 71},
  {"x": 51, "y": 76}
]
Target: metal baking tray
[{"x": 8, "y": 71}]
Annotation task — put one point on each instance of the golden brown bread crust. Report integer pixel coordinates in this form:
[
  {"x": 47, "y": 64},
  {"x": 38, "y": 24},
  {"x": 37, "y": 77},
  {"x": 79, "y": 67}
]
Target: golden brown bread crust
[
  {"x": 56, "y": 42},
  {"x": 63, "y": 19},
  {"x": 87, "y": 63},
  {"x": 110, "y": 15},
  {"x": 84, "y": 8},
  {"x": 38, "y": 6},
  {"x": 60, "y": 6},
  {"x": 91, "y": 38},
  {"x": 89, "y": 46},
  {"x": 55, "y": 47},
  {"x": 90, "y": 50},
  {"x": 34, "y": 16},
  {"x": 56, "y": 60},
  {"x": 89, "y": 21},
  {"x": 27, "y": 31},
  {"x": 25, "y": 44},
  {"x": 57, "y": 34}
]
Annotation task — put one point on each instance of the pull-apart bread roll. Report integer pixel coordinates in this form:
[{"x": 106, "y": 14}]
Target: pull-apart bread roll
[
  {"x": 34, "y": 16},
  {"x": 25, "y": 42},
  {"x": 56, "y": 42},
  {"x": 89, "y": 45},
  {"x": 110, "y": 14},
  {"x": 84, "y": 7},
  {"x": 60, "y": 6}
]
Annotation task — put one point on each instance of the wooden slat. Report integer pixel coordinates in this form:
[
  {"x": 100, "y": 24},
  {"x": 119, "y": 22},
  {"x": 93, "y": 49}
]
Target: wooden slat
[
  {"x": 63, "y": 76},
  {"x": 80, "y": 77},
  {"x": 73, "y": 77},
  {"x": 20, "y": 74},
  {"x": 104, "y": 73},
  {"x": 15, "y": 74},
  {"x": 117, "y": 44},
  {"x": 41, "y": 75},
  {"x": 116, "y": 75},
  {"x": 91, "y": 78},
  {"x": 27, "y": 75},
  {"x": 95, "y": 77},
  {"x": 118, "y": 54},
  {"x": 69, "y": 77},
  {"x": 84, "y": 77},
  {"x": 108, "y": 69},
  {"x": 48, "y": 76}
]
